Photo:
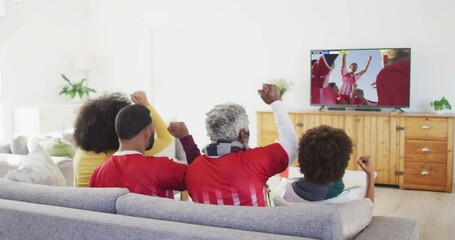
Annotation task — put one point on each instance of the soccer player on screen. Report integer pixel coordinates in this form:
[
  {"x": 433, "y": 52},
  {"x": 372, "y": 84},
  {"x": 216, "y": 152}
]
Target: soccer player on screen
[
  {"x": 350, "y": 78},
  {"x": 321, "y": 93},
  {"x": 392, "y": 82}
]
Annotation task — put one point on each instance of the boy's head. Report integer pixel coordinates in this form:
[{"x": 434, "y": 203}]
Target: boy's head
[{"x": 324, "y": 154}]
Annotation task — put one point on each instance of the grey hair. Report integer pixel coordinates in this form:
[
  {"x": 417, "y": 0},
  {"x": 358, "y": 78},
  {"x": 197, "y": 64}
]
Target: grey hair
[{"x": 225, "y": 121}]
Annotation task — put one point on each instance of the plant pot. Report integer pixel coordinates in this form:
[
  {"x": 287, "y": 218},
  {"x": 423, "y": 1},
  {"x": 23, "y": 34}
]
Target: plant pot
[{"x": 443, "y": 111}]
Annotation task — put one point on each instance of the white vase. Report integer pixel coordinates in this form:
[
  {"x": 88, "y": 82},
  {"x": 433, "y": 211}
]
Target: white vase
[{"x": 443, "y": 111}]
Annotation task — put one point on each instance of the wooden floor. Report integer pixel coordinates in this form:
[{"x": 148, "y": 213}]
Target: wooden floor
[{"x": 435, "y": 211}]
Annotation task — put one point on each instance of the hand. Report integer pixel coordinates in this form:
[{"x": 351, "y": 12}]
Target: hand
[
  {"x": 369, "y": 58},
  {"x": 269, "y": 93},
  {"x": 178, "y": 129},
  {"x": 366, "y": 165},
  {"x": 373, "y": 85},
  {"x": 139, "y": 97}
]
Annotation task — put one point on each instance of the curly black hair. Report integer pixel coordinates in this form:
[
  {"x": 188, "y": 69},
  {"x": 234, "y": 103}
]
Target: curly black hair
[
  {"x": 324, "y": 154},
  {"x": 94, "y": 129}
]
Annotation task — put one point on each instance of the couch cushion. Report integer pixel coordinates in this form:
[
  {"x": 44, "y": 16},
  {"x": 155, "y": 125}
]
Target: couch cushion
[
  {"x": 19, "y": 145},
  {"x": 390, "y": 228},
  {"x": 37, "y": 167},
  {"x": 307, "y": 220},
  {"x": 54, "y": 146},
  {"x": 355, "y": 215},
  {"x": 95, "y": 199},
  {"x": 12, "y": 161}
]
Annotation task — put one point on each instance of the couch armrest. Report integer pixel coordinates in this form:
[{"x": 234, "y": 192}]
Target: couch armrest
[
  {"x": 391, "y": 228},
  {"x": 5, "y": 147}
]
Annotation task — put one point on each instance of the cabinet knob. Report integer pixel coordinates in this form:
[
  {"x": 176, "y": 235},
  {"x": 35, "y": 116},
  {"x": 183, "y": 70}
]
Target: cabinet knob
[
  {"x": 426, "y": 127},
  {"x": 299, "y": 125},
  {"x": 424, "y": 173},
  {"x": 425, "y": 149}
]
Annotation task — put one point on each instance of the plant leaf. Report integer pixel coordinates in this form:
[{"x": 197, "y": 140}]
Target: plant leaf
[{"x": 65, "y": 78}]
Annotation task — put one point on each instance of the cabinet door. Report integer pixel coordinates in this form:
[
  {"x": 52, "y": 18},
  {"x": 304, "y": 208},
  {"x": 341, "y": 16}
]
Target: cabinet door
[
  {"x": 267, "y": 131},
  {"x": 378, "y": 137}
]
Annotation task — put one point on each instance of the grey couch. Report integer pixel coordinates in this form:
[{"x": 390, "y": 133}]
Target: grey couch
[{"x": 30, "y": 211}]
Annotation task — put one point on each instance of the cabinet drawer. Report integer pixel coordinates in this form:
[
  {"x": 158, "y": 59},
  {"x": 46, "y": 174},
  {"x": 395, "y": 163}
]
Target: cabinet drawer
[
  {"x": 426, "y": 128},
  {"x": 425, "y": 173},
  {"x": 425, "y": 151}
]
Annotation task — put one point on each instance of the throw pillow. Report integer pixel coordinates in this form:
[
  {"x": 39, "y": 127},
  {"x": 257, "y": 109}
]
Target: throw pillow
[
  {"x": 37, "y": 167},
  {"x": 19, "y": 145},
  {"x": 52, "y": 145}
]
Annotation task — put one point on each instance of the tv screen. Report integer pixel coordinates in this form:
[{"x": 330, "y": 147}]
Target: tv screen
[{"x": 361, "y": 78}]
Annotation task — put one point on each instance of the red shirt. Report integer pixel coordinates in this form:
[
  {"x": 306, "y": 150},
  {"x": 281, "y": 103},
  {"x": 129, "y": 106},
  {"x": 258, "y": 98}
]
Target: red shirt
[
  {"x": 148, "y": 175},
  {"x": 392, "y": 84},
  {"x": 236, "y": 178},
  {"x": 320, "y": 72},
  {"x": 347, "y": 80}
]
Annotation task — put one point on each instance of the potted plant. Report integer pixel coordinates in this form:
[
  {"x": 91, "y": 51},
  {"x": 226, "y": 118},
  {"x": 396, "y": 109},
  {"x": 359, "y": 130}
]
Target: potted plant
[
  {"x": 282, "y": 85},
  {"x": 73, "y": 89},
  {"x": 441, "y": 106}
]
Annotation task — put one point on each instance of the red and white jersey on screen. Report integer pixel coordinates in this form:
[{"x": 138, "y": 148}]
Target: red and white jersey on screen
[
  {"x": 148, "y": 175},
  {"x": 236, "y": 178},
  {"x": 347, "y": 80},
  {"x": 320, "y": 90},
  {"x": 393, "y": 84}
]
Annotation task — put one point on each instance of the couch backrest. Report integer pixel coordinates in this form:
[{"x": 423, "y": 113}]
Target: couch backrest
[
  {"x": 94, "y": 199},
  {"x": 321, "y": 222},
  {"x": 21, "y": 220}
]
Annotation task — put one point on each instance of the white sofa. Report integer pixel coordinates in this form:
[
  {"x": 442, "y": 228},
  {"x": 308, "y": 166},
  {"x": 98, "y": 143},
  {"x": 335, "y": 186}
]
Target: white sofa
[{"x": 14, "y": 151}]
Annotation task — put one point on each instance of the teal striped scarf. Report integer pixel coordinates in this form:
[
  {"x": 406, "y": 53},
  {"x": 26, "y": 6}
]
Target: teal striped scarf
[{"x": 317, "y": 192}]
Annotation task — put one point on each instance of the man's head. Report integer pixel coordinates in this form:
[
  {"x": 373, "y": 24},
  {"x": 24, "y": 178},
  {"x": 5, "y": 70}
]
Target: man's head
[
  {"x": 227, "y": 122},
  {"x": 359, "y": 91},
  {"x": 353, "y": 67},
  {"x": 94, "y": 128},
  {"x": 334, "y": 88},
  {"x": 324, "y": 154},
  {"x": 133, "y": 122}
]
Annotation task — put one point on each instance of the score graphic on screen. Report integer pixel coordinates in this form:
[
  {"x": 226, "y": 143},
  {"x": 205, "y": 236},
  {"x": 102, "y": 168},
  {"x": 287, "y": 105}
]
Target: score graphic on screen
[{"x": 366, "y": 78}]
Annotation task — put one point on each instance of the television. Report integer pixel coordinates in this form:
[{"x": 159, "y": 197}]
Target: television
[{"x": 362, "y": 79}]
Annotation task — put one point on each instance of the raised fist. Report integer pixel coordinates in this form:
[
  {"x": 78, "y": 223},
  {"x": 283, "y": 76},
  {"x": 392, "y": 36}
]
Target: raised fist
[
  {"x": 178, "y": 129},
  {"x": 139, "y": 97},
  {"x": 269, "y": 93}
]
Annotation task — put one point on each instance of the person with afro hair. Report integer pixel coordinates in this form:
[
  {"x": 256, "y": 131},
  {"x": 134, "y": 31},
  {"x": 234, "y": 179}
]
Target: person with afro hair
[
  {"x": 95, "y": 134},
  {"x": 323, "y": 156}
]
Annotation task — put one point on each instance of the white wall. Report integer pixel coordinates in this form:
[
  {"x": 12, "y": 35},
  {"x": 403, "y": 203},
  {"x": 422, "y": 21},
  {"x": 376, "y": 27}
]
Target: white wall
[
  {"x": 191, "y": 54},
  {"x": 216, "y": 51},
  {"x": 33, "y": 57}
]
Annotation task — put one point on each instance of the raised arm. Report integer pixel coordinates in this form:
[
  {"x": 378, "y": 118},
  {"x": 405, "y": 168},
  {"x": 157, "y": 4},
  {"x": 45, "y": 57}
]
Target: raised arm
[
  {"x": 366, "y": 66},
  {"x": 367, "y": 166},
  {"x": 343, "y": 63},
  {"x": 286, "y": 132},
  {"x": 163, "y": 138},
  {"x": 180, "y": 131}
]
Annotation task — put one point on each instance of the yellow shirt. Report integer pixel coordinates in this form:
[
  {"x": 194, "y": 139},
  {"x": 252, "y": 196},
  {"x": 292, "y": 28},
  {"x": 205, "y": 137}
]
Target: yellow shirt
[{"x": 85, "y": 162}]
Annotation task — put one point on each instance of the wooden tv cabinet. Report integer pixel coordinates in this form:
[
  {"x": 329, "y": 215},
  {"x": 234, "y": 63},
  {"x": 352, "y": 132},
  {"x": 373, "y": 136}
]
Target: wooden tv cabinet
[{"x": 411, "y": 150}]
